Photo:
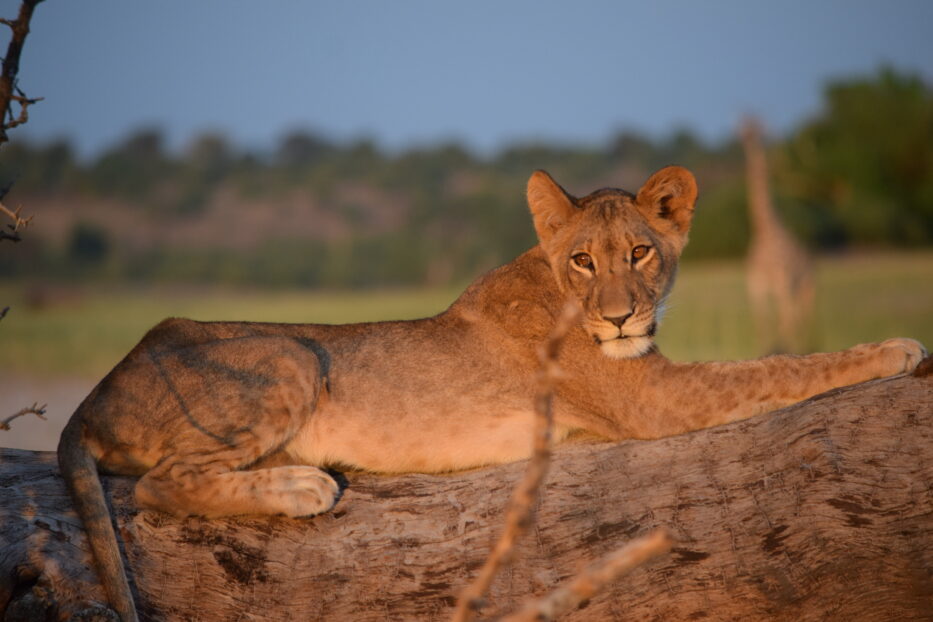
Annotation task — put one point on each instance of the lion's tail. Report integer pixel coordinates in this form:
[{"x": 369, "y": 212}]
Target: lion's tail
[{"x": 79, "y": 470}]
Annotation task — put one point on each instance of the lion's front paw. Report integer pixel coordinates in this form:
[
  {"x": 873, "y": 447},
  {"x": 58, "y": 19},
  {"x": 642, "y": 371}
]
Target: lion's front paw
[{"x": 902, "y": 354}]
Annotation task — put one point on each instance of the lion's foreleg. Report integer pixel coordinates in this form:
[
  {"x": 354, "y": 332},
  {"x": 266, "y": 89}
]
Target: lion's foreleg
[{"x": 699, "y": 395}]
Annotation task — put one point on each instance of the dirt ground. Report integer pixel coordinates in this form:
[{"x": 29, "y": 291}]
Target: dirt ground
[{"x": 29, "y": 432}]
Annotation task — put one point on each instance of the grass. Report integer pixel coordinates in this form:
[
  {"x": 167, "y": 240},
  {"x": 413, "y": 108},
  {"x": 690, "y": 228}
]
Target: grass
[
  {"x": 859, "y": 299},
  {"x": 864, "y": 298}
]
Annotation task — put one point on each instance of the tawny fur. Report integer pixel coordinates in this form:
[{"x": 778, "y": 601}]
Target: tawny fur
[{"x": 226, "y": 418}]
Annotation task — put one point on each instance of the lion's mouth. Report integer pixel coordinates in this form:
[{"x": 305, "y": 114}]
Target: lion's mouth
[
  {"x": 651, "y": 332},
  {"x": 600, "y": 341}
]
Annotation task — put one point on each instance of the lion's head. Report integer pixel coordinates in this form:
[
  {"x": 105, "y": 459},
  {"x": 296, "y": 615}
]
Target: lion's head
[{"x": 616, "y": 252}]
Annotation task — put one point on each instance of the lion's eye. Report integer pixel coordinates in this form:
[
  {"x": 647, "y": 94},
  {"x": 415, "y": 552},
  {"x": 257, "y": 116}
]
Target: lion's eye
[
  {"x": 583, "y": 260},
  {"x": 639, "y": 252}
]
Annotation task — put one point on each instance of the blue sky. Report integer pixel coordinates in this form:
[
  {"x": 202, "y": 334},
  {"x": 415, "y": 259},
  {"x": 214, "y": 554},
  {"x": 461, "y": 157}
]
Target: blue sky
[{"x": 417, "y": 72}]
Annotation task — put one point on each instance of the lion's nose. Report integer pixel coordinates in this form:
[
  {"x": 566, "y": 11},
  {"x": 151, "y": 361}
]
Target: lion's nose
[{"x": 619, "y": 320}]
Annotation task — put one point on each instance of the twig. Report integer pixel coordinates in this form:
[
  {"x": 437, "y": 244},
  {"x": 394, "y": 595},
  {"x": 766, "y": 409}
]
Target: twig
[
  {"x": 583, "y": 586},
  {"x": 520, "y": 513},
  {"x": 35, "y": 409},
  {"x": 24, "y": 103},
  {"x": 19, "y": 223},
  {"x": 3, "y": 312}
]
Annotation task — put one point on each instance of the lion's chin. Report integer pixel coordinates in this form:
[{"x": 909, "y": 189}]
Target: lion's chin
[{"x": 626, "y": 347}]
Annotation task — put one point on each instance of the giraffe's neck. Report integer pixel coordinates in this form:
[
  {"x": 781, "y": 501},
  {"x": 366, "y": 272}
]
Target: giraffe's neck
[{"x": 764, "y": 220}]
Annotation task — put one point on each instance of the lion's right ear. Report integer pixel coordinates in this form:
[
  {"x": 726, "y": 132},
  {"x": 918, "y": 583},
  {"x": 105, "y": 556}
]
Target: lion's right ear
[{"x": 550, "y": 205}]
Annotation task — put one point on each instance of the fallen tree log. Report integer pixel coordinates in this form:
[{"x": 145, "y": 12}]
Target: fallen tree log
[{"x": 823, "y": 510}]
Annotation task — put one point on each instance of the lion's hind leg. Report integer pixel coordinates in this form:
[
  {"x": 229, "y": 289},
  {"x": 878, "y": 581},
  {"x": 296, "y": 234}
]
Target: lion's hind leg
[
  {"x": 236, "y": 402},
  {"x": 183, "y": 488}
]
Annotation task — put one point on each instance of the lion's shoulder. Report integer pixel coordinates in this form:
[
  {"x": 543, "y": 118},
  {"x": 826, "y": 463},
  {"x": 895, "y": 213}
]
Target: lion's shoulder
[{"x": 519, "y": 298}]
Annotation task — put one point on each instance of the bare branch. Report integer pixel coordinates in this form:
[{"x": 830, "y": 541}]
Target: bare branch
[
  {"x": 35, "y": 409},
  {"x": 10, "y": 69},
  {"x": 586, "y": 584},
  {"x": 520, "y": 513}
]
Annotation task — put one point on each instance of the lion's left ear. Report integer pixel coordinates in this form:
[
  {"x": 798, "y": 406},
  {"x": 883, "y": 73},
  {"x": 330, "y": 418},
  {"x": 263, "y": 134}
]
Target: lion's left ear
[{"x": 668, "y": 198}]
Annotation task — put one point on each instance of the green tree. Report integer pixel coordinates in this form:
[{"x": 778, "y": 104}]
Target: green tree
[
  {"x": 867, "y": 160},
  {"x": 301, "y": 148},
  {"x": 133, "y": 168}
]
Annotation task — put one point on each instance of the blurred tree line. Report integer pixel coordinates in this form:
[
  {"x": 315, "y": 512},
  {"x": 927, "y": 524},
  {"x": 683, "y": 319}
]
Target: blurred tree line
[{"x": 860, "y": 174}]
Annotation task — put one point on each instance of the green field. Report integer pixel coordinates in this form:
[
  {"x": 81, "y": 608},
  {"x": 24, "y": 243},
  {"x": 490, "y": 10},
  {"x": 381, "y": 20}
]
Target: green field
[{"x": 84, "y": 332}]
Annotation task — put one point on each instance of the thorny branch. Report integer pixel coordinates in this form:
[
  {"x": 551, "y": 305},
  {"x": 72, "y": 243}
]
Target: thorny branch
[
  {"x": 35, "y": 409},
  {"x": 520, "y": 513},
  {"x": 9, "y": 91},
  {"x": 586, "y": 584}
]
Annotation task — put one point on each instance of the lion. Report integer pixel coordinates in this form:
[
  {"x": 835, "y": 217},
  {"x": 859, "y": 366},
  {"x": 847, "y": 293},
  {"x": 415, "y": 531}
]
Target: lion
[{"x": 229, "y": 418}]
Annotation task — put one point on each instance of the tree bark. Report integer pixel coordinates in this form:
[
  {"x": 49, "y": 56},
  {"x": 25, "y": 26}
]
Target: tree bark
[{"x": 823, "y": 510}]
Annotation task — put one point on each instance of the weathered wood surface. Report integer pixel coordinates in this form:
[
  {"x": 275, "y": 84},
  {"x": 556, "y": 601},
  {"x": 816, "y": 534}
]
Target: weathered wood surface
[{"x": 820, "y": 511}]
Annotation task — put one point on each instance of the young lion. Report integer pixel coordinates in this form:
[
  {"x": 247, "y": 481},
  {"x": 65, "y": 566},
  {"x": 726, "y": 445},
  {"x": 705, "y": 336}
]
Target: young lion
[{"x": 225, "y": 418}]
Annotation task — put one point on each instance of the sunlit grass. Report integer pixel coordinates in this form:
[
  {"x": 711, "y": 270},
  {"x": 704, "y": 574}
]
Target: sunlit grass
[{"x": 860, "y": 299}]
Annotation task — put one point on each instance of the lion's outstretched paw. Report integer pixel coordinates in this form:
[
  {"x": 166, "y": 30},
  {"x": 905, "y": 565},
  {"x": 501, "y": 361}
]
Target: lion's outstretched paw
[{"x": 903, "y": 354}]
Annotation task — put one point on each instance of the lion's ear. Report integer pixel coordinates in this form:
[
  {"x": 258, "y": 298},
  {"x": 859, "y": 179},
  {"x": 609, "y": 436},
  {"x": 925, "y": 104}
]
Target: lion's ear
[
  {"x": 550, "y": 204},
  {"x": 668, "y": 198}
]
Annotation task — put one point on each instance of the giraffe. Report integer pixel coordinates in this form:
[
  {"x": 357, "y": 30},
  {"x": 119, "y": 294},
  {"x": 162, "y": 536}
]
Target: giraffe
[{"x": 779, "y": 274}]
